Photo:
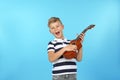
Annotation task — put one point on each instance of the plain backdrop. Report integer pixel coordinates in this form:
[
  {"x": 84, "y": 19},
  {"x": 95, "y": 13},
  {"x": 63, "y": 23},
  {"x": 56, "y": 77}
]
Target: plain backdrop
[{"x": 24, "y": 36}]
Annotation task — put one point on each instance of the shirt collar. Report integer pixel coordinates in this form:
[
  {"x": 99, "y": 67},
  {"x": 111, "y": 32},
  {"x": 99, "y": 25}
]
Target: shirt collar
[{"x": 60, "y": 40}]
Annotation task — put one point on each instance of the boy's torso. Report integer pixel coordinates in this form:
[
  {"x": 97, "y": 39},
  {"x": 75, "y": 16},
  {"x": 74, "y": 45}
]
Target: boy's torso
[{"x": 62, "y": 65}]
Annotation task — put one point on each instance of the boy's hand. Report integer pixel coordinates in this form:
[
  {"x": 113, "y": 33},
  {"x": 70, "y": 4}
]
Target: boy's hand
[{"x": 82, "y": 37}]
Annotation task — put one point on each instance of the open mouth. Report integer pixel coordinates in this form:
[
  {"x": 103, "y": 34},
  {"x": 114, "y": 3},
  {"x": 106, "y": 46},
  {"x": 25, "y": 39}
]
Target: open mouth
[{"x": 57, "y": 33}]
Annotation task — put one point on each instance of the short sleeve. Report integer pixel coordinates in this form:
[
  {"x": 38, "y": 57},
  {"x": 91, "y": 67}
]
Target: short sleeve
[{"x": 50, "y": 47}]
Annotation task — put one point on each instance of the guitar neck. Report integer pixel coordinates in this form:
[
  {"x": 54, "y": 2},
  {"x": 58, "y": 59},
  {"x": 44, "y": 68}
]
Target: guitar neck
[{"x": 85, "y": 30}]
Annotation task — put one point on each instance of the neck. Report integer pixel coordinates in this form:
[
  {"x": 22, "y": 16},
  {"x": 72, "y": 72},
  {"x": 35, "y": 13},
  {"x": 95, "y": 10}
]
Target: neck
[{"x": 62, "y": 37}]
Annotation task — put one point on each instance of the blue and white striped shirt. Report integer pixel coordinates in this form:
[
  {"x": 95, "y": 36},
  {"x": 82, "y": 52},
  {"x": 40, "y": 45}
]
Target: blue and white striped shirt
[{"x": 62, "y": 65}]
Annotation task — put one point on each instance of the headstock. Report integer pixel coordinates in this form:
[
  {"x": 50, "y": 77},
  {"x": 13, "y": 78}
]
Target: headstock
[{"x": 90, "y": 26}]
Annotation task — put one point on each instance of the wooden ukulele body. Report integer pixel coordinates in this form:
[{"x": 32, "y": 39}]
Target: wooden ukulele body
[{"x": 73, "y": 54}]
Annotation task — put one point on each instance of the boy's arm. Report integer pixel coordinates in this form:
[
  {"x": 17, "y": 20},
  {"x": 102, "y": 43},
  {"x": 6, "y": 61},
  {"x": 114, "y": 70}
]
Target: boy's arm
[
  {"x": 54, "y": 56},
  {"x": 79, "y": 55}
]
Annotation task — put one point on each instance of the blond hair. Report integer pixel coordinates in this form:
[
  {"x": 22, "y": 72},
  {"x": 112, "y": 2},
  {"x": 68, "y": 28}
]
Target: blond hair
[{"x": 53, "y": 19}]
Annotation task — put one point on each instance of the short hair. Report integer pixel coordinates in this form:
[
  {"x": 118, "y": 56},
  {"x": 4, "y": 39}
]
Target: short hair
[{"x": 53, "y": 19}]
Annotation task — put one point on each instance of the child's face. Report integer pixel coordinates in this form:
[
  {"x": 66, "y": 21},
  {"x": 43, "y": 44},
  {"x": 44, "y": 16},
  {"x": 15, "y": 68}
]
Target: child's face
[{"x": 56, "y": 29}]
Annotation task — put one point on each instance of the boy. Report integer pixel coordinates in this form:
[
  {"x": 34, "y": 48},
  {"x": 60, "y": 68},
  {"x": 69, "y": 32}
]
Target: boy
[{"x": 63, "y": 69}]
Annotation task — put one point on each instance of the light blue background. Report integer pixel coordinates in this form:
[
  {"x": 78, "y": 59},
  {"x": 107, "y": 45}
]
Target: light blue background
[{"x": 24, "y": 36}]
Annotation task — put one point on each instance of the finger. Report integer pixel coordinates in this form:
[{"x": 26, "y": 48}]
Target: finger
[
  {"x": 81, "y": 37},
  {"x": 82, "y": 34}
]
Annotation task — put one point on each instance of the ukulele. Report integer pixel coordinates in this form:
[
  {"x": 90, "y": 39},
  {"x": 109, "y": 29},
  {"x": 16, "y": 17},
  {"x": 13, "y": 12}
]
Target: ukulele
[{"x": 77, "y": 42}]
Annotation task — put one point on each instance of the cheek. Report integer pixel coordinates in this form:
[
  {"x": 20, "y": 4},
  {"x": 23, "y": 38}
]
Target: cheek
[{"x": 61, "y": 29}]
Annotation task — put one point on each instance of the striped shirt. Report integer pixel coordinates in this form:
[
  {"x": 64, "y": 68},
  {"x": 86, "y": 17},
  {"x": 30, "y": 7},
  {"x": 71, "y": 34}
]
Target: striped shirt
[{"x": 62, "y": 65}]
